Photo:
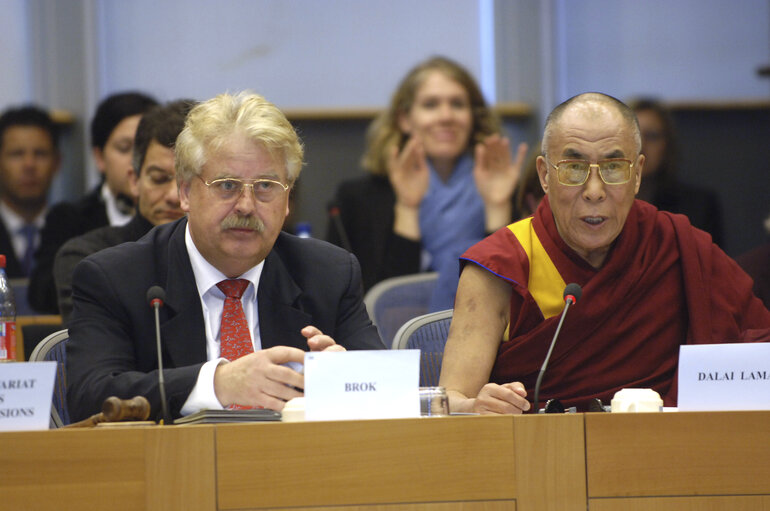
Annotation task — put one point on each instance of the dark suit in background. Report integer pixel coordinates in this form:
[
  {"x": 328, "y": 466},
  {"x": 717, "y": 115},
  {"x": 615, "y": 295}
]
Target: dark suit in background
[
  {"x": 80, "y": 247},
  {"x": 63, "y": 221},
  {"x": 112, "y": 334}
]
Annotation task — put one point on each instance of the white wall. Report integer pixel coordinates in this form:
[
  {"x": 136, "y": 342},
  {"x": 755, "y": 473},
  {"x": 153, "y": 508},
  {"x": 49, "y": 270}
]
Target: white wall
[
  {"x": 298, "y": 53},
  {"x": 14, "y": 54},
  {"x": 677, "y": 49}
]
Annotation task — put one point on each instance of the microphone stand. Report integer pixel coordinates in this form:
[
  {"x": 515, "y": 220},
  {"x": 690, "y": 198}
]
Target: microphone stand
[{"x": 569, "y": 302}]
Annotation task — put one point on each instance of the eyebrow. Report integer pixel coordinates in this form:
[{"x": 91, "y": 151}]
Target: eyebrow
[{"x": 577, "y": 155}]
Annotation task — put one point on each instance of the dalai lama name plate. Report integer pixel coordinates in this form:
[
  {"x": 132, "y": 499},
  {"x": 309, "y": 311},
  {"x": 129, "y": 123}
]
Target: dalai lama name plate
[
  {"x": 362, "y": 385},
  {"x": 25, "y": 395},
  {"x": 724, "y": 376}
]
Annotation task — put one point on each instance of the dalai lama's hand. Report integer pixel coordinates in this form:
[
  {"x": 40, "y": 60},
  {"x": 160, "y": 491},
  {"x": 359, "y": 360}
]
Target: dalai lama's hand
[
  {"x": 317, "y": 341},
  {"x": 260, "y": 379},
  {"x": 507, "y": 398}
]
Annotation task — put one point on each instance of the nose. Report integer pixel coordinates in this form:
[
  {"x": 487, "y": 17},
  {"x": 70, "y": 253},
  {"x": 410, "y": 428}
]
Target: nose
[
  {"x": 593, "y": 189},
  {"x": 247, "y": 201},
  {"x": 172, "y": 194}
]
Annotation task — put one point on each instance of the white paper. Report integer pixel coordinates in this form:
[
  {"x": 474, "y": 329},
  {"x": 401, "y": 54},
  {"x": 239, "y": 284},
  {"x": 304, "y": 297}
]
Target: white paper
[
  {"x": 378, "y": 384},
  {"x": 724, "y": 376},
  {"x": 26, "y": 389}
]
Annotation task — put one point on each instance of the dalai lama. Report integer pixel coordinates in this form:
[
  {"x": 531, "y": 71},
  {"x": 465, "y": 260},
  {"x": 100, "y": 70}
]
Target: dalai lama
[{"x": 650, "y": 280}]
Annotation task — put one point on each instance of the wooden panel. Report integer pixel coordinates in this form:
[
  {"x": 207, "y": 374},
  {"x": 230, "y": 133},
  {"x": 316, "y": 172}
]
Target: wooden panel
[
  {"x": 499, "y": 505},
  {"x": 732, "y": 503},
  {"x": 451, "y": 459},
  {"x": 663, "y": 454},
  {"x": 76, "y": 469},
  {"x": 550, "y": 462}
]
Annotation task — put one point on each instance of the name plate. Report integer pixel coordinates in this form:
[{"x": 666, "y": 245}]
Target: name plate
[
  {"x": 377, "y": 384},
  {"x": 26, "y": 389},
  {"x": 724, "y": 376}
]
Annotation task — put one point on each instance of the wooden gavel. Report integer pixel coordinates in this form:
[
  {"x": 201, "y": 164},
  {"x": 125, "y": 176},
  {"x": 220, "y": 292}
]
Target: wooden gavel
[{"x": 115, "y": 410}]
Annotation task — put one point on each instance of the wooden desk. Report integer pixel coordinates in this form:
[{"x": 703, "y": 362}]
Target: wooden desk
[
  {"x": 150, "y": 468},
  {"x": 683, "y": 461},
  {"x": 678, "y": 461}
]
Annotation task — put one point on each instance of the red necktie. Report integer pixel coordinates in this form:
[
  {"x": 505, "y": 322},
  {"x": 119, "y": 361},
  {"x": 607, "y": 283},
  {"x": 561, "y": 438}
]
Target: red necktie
[{"x": 234, "y": 335}]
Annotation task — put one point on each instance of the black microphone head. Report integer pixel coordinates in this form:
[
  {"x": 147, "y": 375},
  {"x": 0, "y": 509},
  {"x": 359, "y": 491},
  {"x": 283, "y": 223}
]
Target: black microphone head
[
  {"x": 156, "y": 293},
  {"x": 573, "y": 290}
]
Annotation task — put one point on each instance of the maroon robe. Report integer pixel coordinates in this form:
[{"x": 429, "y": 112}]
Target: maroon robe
[{"x": 663, "y": 284}]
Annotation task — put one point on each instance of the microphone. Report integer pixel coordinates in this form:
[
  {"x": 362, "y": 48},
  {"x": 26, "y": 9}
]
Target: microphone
[
  {"x": 155, "y": 297},
  {"x": 334, "y": 216},
  {"x": 572, "y": 294}
]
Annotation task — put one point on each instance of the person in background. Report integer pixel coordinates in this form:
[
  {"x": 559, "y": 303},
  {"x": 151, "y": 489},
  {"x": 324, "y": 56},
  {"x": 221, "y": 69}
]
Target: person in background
[
  {"x": 441, "y": 176},
  {"x": 756, "y": 263},
  {"x": 650, "y": 281},
  {"x": 153, "y": 183},
  {"x": 29, "y": 160},
  {"x": 243, "y": 298},
  {"x": 109, "y": 203},
  {"x": 660, "y": 186}
]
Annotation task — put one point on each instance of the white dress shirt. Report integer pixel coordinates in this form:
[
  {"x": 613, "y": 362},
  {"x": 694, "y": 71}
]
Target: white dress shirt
[
  {"x": 115, "y": 216},
  {"x": 212, "y": 303}
]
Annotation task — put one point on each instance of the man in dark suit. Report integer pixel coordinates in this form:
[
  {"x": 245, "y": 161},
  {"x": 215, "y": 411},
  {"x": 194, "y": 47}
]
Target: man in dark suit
[
  {"x": 109, "y": 203},
  {"x": 236, "y": 161},
  {"x": 152, "y": 182},
  {"x": 29, "y": 160}
]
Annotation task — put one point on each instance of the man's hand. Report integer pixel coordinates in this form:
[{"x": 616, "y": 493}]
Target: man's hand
[
  {"x": 259, "y": 379},
  {"x": 507, "y": 398},
  {"x": 317, "y": 341}
]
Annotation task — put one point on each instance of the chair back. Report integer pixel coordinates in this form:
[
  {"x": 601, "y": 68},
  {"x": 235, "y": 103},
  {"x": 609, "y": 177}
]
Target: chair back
[
  {"x": 428, "y": 333},
  {"x": 394, "y": 301},
  {"x": 53, "y": 348}
]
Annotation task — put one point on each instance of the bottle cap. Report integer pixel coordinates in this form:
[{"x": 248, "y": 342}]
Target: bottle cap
[{"x": 2, "y": 261}]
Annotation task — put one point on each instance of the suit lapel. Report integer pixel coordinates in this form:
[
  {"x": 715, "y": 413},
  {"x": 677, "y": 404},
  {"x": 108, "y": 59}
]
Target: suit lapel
[
  {"x": 182, "y": 327},
  {"x": 280, "y": 319}
]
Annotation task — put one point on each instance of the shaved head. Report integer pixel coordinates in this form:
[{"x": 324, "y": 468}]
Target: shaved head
[{"x": 591, "y": 105}]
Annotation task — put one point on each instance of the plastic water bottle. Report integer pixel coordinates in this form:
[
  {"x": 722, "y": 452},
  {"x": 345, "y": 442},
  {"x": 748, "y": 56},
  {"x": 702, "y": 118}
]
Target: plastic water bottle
[
  {"x": 7, "y": 317},
  {"x": 302, "y": 229}
]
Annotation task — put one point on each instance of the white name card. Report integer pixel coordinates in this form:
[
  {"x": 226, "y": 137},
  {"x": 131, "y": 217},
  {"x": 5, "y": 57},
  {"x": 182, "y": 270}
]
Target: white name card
[
  {"x": 724, "y": 376},
  {"x": 378, "y": 384},
  {"x": 26, "y": 389}
]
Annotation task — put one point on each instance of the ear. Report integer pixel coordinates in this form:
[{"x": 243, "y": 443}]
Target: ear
[
  {"x": 133, "y": 183},
  {"x": 638, "y": 173},
  {"x": 184, "y": 195},
  {"x": 404, "y": 123},
  {"x": 98, "y": 155},
  {"x": 542, "y": 173}
]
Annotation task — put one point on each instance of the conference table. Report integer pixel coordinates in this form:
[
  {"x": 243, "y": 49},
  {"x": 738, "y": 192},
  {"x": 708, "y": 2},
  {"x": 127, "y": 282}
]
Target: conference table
[{"x": 601, "y": 461}]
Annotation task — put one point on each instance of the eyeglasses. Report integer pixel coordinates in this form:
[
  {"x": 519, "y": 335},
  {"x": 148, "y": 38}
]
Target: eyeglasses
[
  {"x": 613, "y": 171},
  {"x": 229, "y": 188}
]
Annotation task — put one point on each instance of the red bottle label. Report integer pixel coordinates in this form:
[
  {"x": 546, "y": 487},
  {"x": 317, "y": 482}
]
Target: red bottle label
[{"x": 7, "y": 341}]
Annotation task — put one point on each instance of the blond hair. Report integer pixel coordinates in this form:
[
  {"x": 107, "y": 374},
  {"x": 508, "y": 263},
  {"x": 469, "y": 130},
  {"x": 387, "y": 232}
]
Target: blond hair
[{"x": 212, "y": 123}]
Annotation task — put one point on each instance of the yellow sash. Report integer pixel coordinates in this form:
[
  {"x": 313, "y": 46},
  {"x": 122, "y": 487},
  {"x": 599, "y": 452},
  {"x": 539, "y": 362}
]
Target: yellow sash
[{"x": 545, "y": 284}]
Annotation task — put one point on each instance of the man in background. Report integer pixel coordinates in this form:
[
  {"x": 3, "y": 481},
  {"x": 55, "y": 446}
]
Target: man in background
[
  {"x": 29, "y": 160},
  {"x": 111, "y": 202},
  {"x": 152, "y": 181}
]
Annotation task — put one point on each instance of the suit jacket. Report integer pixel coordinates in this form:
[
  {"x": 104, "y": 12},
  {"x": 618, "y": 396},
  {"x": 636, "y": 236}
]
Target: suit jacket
[
  {"x": 112, "y": 350},
  {"x": 80, "y": 247},
  {"x": 13, "y": 268},
  {"x": 63, "y": 221}
]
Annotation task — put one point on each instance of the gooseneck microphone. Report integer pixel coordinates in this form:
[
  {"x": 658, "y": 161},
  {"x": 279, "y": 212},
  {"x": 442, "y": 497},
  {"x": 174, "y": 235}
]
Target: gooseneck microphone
[
  {"x": 571, "y": 295},
  {"x": 339, "y": 227},
  {"x": 155, "y": 297}
]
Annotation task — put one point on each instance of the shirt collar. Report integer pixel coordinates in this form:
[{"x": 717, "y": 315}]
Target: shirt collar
[
  {"x": 114, "y": 214},
  {"x": 207, "y": 276},
  {"x": 14, "y": 222}
]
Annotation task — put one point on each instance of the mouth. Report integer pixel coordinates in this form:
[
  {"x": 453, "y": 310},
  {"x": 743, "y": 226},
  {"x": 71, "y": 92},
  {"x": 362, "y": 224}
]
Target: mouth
[{"x": 594, "y": 220}]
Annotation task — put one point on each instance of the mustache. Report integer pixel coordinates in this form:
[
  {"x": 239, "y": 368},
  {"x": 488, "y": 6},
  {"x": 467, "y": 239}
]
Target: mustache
[{"x": 243, "y": 222}]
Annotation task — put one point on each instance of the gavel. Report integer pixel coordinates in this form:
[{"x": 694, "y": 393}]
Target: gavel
[{"x": 115, "y": 410}]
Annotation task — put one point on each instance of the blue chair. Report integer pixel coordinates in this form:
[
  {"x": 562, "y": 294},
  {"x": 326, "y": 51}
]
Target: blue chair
[
  {"x": 428, "y": 333},
  {"x": 53, "y": 348},
  {"x": 396, "y": 300}
]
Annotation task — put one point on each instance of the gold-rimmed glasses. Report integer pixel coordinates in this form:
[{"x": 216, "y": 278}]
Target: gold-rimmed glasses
[
  {"x": 613, "y": 171},
  {"x": 228, "y": 189}
]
